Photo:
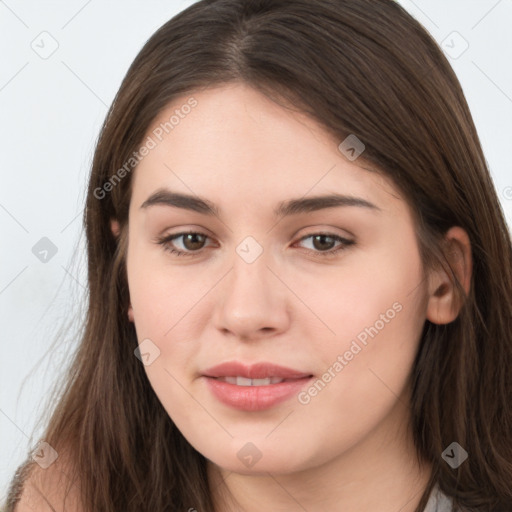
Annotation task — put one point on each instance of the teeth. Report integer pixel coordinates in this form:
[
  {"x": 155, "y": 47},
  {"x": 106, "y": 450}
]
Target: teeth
[
  {"x": 243, "y": 381},
  {"x": 261, "y": 382}
]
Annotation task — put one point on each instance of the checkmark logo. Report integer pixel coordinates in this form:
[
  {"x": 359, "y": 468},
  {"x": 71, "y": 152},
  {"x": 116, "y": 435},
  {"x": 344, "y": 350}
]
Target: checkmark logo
[
  {"x": 352, "y": 147},
  {"x": 44, "y": 250},
  {"x": 454, "y": 455},
  {"x": 45, "y": 45},
  {"x": 44, "y": 454},
  {"x": 249, "y": 249},
  {"x": 147, "y": 352},
  {"x": 249, "y": 454},
  {"x": 454, "y": 45}
]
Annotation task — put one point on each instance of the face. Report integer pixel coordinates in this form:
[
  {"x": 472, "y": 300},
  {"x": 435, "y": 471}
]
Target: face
[{"x": 325, "y": 299}]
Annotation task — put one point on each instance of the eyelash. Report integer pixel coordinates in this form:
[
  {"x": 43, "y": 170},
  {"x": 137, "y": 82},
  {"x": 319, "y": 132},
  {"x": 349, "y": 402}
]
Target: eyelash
[{"x": 165, "y": 241}]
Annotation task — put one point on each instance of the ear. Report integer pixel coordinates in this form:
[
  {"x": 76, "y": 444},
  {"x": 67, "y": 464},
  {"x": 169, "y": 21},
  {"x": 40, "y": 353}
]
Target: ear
[
  {"x": 444, "y": 303},
  {"x": 114, "y": 226}
]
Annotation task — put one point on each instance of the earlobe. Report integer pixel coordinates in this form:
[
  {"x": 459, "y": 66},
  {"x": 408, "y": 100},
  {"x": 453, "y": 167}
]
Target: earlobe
[
  {"x": 444, "y": 302},
  {"x": 130, "y": 313},
  {"x": 114, "y": 226}
]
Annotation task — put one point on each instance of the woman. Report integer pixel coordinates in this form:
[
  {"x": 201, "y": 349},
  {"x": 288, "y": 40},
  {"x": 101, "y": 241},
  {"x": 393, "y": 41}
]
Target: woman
[{"x": 300, "y": 278}]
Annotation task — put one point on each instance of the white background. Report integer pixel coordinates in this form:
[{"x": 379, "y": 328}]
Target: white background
[{"x": 51, "y": 111}]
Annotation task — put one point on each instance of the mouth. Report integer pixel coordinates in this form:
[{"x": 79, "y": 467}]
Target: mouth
[{"x": 254, "y": 387}]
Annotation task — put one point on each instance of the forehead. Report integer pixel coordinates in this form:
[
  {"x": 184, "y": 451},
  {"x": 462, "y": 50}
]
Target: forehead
[{"x": 235, "y": 144}]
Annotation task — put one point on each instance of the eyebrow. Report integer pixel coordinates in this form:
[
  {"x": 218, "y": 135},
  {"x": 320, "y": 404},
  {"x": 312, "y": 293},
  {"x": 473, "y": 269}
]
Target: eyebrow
[{"x": 287, "y": 208}]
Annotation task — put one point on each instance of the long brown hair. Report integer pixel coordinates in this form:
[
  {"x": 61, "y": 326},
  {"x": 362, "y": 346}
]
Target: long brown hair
[{"x": 362, "y": 67}]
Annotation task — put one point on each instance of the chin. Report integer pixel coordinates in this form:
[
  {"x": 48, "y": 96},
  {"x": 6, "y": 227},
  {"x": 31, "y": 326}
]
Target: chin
[{"x": 249, "y": 458}]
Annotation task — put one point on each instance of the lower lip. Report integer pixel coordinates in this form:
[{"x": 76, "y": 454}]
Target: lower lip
[{"x": 255, "y": 398}]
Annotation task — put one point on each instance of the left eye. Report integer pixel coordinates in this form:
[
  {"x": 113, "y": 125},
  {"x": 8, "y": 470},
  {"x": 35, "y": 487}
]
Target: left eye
[
  {"x": 193, "y": 242},
  {"x": 320, "y": 240}
]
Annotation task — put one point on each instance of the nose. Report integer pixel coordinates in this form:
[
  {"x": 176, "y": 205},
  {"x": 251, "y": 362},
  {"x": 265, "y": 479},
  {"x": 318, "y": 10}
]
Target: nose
[{"x": 252, "y": 302}]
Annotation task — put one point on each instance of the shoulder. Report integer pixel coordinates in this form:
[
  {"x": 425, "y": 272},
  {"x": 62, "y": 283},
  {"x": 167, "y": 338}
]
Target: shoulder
[
  {"x": 34, "y": 489},
  {"x": 440, "y": 502}
]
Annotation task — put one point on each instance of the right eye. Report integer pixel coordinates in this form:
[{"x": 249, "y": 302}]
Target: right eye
[{"x": 190, "y": 238}]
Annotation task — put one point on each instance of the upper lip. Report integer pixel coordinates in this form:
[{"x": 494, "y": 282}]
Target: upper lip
[{"x": 261, "y": 370}]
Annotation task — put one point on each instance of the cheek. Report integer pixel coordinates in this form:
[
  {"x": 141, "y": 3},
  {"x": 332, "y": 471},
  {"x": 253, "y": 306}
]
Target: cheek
[
  {"x": 377, "y": 313},
  {"x": 166, "y": 316},
  {"x": 161, "y": 301},
  {"x": 158, "y": 301},
  {"x": 162, "y": 294},
  {"x": 375, "y": 309}
]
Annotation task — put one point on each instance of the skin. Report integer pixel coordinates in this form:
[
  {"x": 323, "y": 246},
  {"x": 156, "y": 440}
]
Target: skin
[{"x": 350, "y": 446}]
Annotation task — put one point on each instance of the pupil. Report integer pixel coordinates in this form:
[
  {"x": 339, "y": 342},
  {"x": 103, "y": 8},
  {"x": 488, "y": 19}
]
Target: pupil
[
  {"x": 193, "y": 237},
  {"x": 322, "y": 237}
]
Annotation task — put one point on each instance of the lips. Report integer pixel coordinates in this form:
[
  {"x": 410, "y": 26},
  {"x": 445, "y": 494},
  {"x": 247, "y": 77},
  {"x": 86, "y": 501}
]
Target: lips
[
  {"x": 255, "y": 387},
  {"x": 254, "y": 371}
]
